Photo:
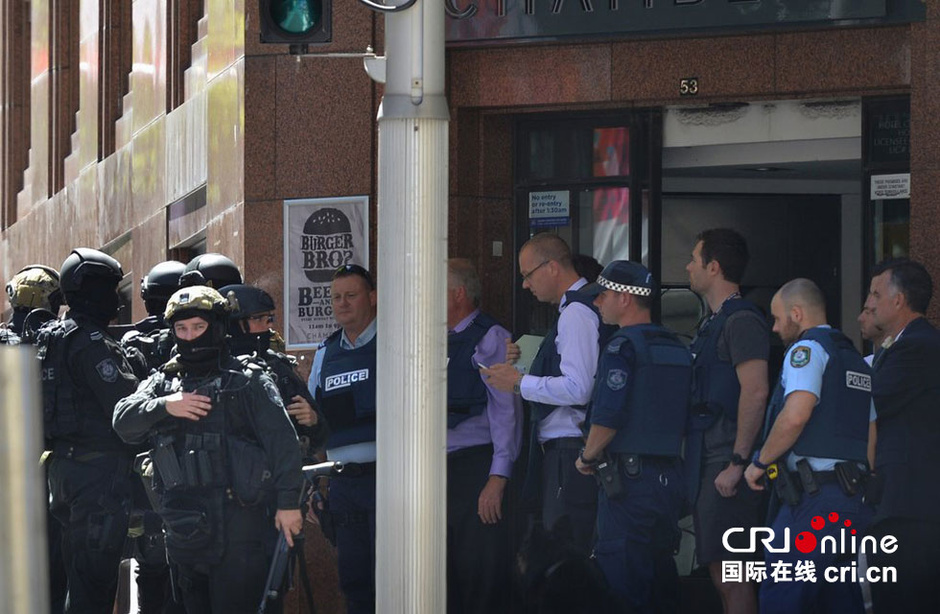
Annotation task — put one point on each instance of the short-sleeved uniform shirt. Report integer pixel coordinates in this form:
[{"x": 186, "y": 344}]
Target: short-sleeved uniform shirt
[
  {"x": 613, "y": 384},
  {"x": 803, "y": 367},
  {"x": 744, "y": 337}
]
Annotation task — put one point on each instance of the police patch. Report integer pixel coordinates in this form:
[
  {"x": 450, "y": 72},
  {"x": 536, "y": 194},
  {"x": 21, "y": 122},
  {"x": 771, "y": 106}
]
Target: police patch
[
  {"x": 616, "y": 379},
  {"x": 799, "y": 357},
  {"x": 273, "y": 393},
  {"x": 108, "y": 370}
]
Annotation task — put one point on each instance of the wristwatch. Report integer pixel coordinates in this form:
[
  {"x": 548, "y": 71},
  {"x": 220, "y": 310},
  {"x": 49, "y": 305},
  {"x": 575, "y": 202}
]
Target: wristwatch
[
  {"x": 756, "y": 460},
  {"x": 739, "y": 461}
]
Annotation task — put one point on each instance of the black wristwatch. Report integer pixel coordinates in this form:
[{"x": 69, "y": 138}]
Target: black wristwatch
[{"x": 739, "y": 461}]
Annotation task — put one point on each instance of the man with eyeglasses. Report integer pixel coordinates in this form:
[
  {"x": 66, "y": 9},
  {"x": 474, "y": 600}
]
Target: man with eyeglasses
[
  {"x": 558, "y": 387},
  {"x": 343, "y": 382}
]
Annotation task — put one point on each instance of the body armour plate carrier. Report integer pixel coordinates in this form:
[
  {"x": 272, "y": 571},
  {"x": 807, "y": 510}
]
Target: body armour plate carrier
[
  {"x": 658, "y": 403},
  {"x": 346, "y": 391},
  {"x": 715, "y": 387},
  {"x": 838, "y": 427},
  {"x": 466, "y": 392}
]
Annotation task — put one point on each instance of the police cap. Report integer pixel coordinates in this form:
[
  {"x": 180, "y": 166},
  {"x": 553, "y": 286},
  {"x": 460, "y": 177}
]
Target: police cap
[{"x": 629, "y": 277}]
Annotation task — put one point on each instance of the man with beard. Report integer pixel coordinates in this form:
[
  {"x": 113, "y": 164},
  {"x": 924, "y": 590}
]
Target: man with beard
[{"x": 818, "y": 442}]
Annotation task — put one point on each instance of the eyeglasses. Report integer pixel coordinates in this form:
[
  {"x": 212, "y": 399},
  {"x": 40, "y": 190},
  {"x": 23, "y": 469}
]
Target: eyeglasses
[
  {"x": 526, "y": 276},
  {"x": 354, "y": 269},
  {"x": 267, "y": 318}
]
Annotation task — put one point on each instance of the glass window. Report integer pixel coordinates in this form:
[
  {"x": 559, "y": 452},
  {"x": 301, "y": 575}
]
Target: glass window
[
  {"x": 891, "y": 228},
  {"x": 604, "y": 223},
  {"x": 611, "y": 152}
]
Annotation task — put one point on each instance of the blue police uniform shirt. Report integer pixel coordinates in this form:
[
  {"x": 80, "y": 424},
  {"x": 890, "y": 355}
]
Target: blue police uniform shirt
[
  {"x": 614, "y": 382},
  {"x": 803, "y": 368}
]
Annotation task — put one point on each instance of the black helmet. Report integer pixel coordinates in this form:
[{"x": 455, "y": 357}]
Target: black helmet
[
  {"x": 213, "y": 270},
  {"x": 33, "y": 287},
  {"x": 84, "y": 264},
  {"x": 249, "y": 300},
  {"x": 162, "y": 281}
]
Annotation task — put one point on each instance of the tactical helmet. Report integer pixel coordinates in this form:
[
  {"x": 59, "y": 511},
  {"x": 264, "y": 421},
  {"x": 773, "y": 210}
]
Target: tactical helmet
[
  {"x": 249, "y": 300},
  {"x": 85, "y": 263},
  {"x": 35, "y": 286},
  {"x": 213, "y": 270},
  {"x": 201, "y": 301},
  {"x": 162, "y": 280}
]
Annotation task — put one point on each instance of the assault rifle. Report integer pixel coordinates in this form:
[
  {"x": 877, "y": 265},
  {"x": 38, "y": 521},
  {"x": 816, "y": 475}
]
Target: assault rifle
[{"x": 281, "y": 563}]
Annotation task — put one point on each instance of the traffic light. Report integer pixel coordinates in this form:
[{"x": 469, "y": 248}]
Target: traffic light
[{"x": 297, "y": 23}]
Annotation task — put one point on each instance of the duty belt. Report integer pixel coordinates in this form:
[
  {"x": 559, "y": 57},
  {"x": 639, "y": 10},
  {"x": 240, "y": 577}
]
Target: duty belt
[{"x": 80, "y": 452}]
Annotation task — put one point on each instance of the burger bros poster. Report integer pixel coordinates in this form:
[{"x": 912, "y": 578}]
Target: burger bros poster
[{"x": 320, "y": 235}]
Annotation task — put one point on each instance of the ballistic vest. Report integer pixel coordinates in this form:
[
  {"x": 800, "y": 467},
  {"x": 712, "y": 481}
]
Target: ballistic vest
[
  {"x": 838, "y": 426},
  {"x": 346, "y": 391},
  {"x": 715, "y": 386},
  {"x": 71, "y": 412},
  {"x": 466, "y": 393},
  {"x": 658, "y": 403},
  {"x": 547, "y": 360}
]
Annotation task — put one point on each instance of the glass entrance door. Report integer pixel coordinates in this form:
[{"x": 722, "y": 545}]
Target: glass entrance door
[{"x": 589, "y": 180}]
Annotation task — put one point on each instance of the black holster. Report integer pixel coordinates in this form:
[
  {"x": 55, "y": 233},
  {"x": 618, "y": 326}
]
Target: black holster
[
  {"x": 607, "y": 473},
  {"x": 785, "y": 487}
]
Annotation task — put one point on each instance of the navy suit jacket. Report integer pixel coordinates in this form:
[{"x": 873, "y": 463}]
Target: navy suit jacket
[{"x": 906, "y": 392}]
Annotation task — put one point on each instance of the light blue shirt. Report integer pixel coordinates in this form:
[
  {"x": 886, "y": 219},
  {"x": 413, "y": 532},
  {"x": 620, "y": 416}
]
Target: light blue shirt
[
  {"x": 367, "y": 335},
  {"x": 577, "y": 343},
  {"x": 808, "y": 378}
]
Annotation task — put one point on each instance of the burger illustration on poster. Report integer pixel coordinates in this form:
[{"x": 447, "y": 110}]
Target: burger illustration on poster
[{"x": 323, "y": 235}]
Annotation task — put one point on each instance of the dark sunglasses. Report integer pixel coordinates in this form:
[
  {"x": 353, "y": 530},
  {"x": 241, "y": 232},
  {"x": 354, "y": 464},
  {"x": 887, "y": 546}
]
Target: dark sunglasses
[{"x": 262, "y": 317}]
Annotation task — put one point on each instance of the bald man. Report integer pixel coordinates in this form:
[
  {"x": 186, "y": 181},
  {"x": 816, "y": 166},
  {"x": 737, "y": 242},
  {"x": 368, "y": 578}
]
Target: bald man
[{"x": 817, "y": 443}]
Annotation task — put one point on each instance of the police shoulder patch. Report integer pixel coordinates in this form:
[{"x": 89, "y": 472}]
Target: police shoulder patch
[
  {"x": 108, "y": 370},
  {"x": 799, "y": 356},
  {"x": 273, "y": 392},
  {"x": 616, "y": 379}
]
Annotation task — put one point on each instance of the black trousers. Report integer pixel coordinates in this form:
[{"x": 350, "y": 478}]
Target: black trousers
[
  {"x": 235, "y": 584},
  {"x": 566, "y": 493},
  {"x": 479, "y": 556},
  {"x": 917, "y": 564},
  {"x": 90, "y": 499}
]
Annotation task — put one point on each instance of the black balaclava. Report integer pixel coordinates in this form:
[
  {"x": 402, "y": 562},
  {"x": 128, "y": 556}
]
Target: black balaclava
[
  {"x": 98, "y": 299},
  {"x": 16, "y": 322},
  {"x": 243, "y": 342},
  {"x": 203, "y": 354}
]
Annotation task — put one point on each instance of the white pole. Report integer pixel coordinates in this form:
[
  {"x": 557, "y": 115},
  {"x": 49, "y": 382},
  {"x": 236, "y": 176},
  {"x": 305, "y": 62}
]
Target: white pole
[
  {"x": 412, "y": 282},
  {"x": 24, "y": 568}
]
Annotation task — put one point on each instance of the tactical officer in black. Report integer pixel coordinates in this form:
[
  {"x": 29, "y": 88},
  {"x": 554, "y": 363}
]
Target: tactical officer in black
[
  {"x": 227, "y": 464},
  {"x": 33, "y": 288},
  {"x": 84, "y": 375},
  {"x": 250, "y": 335},
  {"x": 152, "y": 334}
]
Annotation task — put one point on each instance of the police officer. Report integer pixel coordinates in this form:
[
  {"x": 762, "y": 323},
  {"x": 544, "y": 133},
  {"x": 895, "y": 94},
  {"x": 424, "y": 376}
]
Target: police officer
[
  {"x": 33, "y": 287},
  {"x": 637, "y": 419},
  {"x": 151, "y": 336},
  {"x": 213, "y": 270},
  {"x": 84, "y": 374},
  {"x": 817, "y": 440},
  {"x": 343, "y": 382},
  {"x": 250, "y": 334},
  {"x": 558, "y": 387},
  {"x": 226, "y": 460},
  {"x": 484, "y": 435}
]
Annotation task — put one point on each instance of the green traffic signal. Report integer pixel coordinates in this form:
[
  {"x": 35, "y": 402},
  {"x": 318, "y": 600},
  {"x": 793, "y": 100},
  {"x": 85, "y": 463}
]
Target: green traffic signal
[{"x": 297, "y": 16}]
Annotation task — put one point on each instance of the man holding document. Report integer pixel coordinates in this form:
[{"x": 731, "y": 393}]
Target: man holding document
[{"x": 558, "y": 386}]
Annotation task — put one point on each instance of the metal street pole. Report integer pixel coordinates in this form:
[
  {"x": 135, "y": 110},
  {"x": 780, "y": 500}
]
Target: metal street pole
[
  {"x": 24, "y": 568},
  {"x": 412, "y": 244}
]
